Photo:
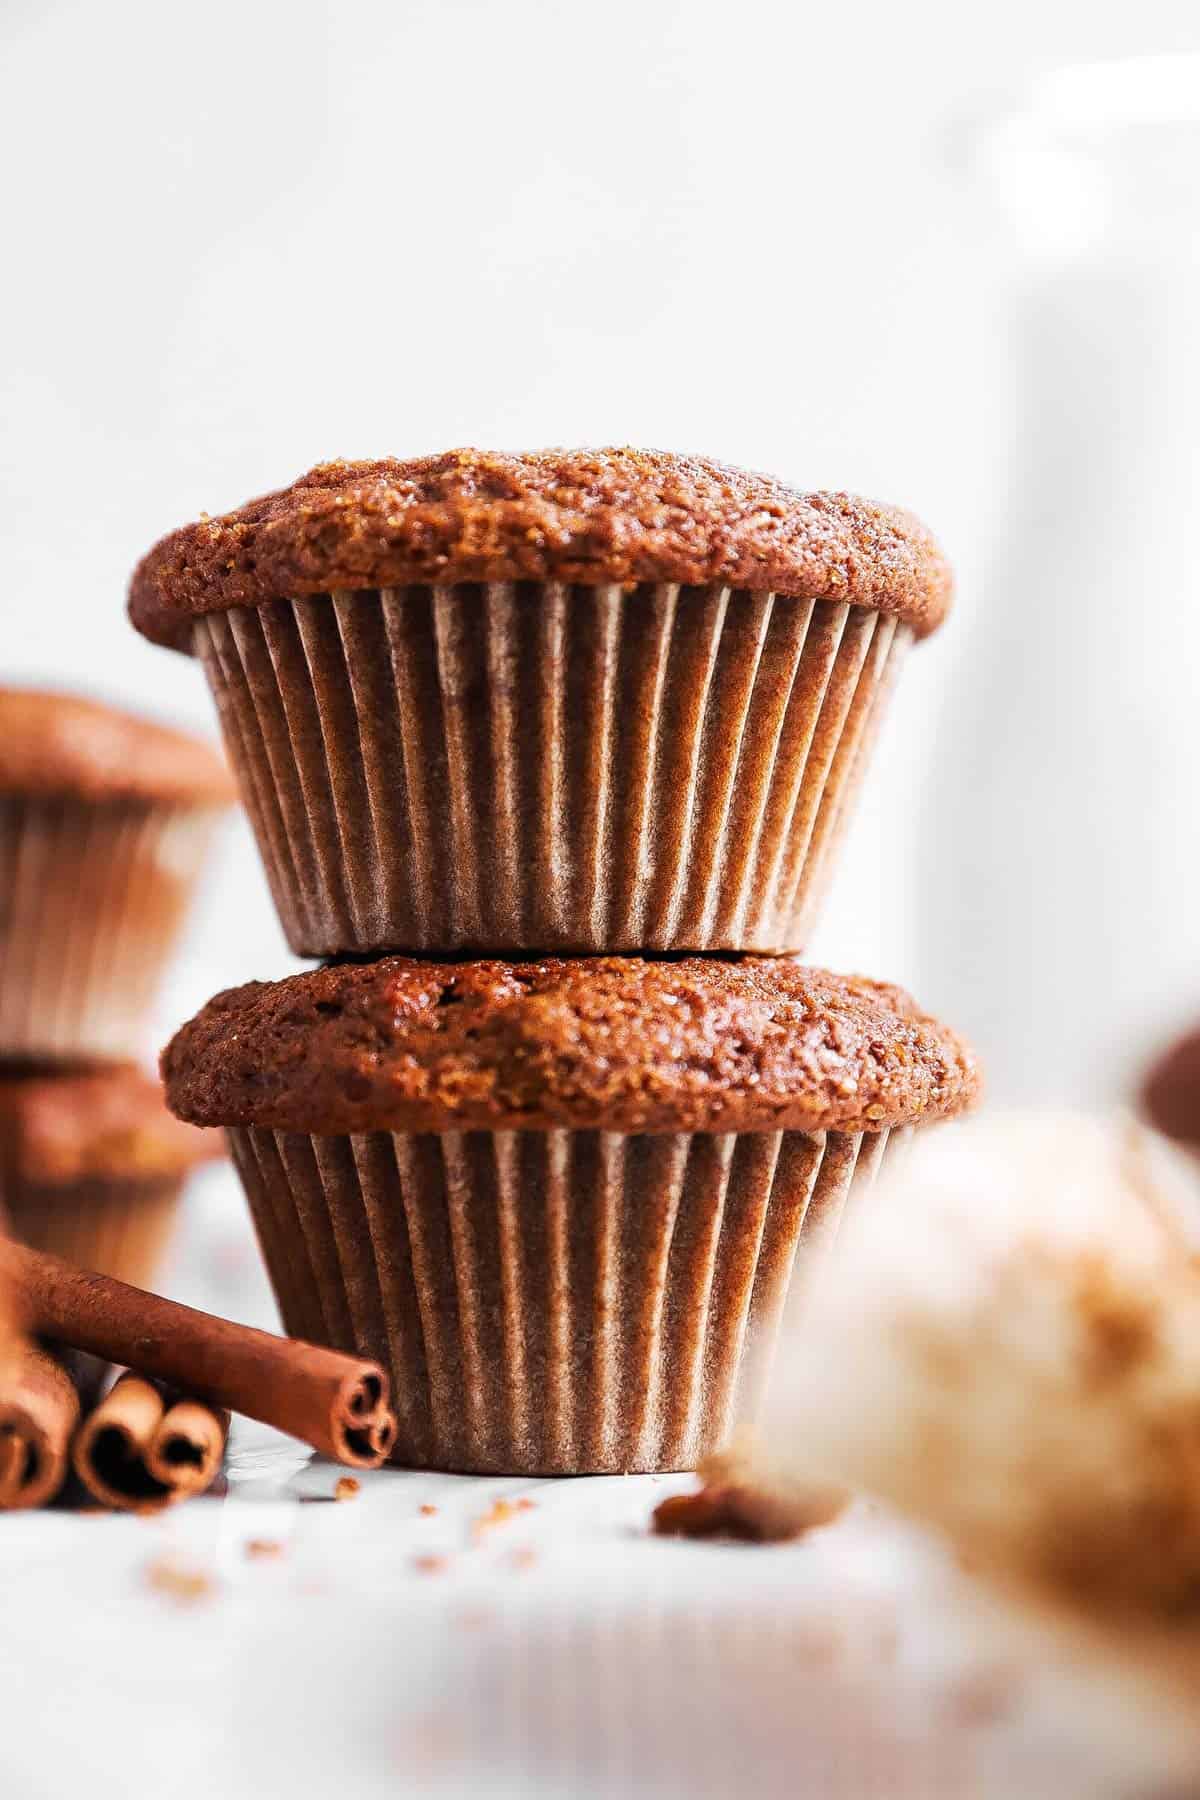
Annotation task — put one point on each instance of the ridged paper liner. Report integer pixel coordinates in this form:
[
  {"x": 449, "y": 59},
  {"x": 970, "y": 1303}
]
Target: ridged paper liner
[
  {"x": 116, "y": 1228},
  {"x": 91, "y": 902},
  {"x": 515, "y": 767},
  {"x": 550, "y": 1302}
]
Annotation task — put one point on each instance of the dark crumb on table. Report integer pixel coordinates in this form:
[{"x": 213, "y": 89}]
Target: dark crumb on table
[
  {"x": 698, "y": 1515},
  {"x": 745, "y": 1500},
  {"x": 347, "y": 1488},
  {"x": 430, "y": 1564},
  {"x": 263, "y": 1548}
]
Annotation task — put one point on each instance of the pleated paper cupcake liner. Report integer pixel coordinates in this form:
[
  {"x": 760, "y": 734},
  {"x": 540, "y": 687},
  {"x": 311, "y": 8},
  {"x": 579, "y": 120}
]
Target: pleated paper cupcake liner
[
  {"x": 119, "y": 1228},
  {"x": 556, "y": 1302},
  {"x": 92, "y": 899},
  {"x": 540, "y": 767}
]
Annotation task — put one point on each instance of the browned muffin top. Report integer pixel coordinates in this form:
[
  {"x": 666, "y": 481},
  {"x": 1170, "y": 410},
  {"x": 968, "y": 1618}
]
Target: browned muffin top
[
  {"x": 618, "y": 1043},
  {"x": 104, "y": 1124},
  {"x": 1171, "y": 1091},
  {"x": 583, "y": 516},
  {"x": 62, "y": 744}
]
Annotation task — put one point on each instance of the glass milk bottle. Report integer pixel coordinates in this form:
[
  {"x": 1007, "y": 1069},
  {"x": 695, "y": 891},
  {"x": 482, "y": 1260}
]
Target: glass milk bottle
[{"x": 1059, "y": 852}]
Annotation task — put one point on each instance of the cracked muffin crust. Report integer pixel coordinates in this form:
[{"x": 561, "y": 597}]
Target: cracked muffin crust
[
  {"x": 615, "y": 1043},
  {"x": 586, "y": 517}
]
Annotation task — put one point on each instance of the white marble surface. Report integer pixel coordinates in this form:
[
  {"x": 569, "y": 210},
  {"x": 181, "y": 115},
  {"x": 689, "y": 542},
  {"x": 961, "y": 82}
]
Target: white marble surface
[{"x": 563, "y": 1652}]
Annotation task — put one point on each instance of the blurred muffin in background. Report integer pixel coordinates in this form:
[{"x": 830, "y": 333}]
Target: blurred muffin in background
[
  {"x": 92, "y": 1166},
  {"x": 1171, "y": 1092},
  {"x": 572, "y": 700},
  {"x": 105, "y": 820}
]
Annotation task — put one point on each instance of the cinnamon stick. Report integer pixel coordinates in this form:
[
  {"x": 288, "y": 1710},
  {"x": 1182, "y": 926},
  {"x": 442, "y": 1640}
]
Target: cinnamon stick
[
  {"x": 140, "y": 1452},
  {"x": 39, "y": 1410},
  {"x": 336, "y": 1403}
]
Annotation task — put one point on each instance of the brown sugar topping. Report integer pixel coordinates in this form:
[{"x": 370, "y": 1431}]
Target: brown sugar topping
[
  {"x": 110, "y": 1125},
  {"x": 618, "y": 1043},
  {"x": 578, "y": 516},
  {"x": 63, "y": 745}
]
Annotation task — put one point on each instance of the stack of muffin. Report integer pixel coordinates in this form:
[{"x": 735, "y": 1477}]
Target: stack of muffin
[
  {"x": 549, "y": 757},
  {"x": 105, "y": 820}
]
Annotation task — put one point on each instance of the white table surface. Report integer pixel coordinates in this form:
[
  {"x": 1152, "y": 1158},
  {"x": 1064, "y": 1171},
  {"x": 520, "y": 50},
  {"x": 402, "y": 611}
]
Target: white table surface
[{"x": 564, "y": 1652}]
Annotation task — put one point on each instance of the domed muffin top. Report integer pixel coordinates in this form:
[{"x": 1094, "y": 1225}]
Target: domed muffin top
[
  {"x": 578, "y": 516},
  {"x": 60, "y": 745},
  {"x": 616, "y": 1043},
  {"x": 99, "y": 1124}
]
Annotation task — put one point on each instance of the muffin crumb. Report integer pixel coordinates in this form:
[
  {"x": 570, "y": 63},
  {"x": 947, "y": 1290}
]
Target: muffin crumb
[
  {"x": 500, "y": 1512},
  {"x": 743, "y": 1497},
  {"x": 182, "y": 1583}
]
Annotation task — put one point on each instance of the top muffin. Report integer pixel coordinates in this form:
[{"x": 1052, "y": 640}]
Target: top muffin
[
  {"x": 590, "y": 517},
  {"x": 571, "y": 700},
  {"x": 61, "y": 745}
]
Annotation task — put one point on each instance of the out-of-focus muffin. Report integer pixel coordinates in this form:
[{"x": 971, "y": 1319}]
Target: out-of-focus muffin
[
  {"x": 92, "y": 1166},
  {"x": 104, "y": 823}
]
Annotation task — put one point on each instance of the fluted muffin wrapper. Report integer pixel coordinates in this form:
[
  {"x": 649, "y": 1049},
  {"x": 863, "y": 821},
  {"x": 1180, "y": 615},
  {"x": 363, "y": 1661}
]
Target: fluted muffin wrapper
[
  {"x": 556, "y": 1302},
  {"x": 92, "y": 899},
  {"x": 114, "y": 1227},
  {"x": 542, "y": 767}
]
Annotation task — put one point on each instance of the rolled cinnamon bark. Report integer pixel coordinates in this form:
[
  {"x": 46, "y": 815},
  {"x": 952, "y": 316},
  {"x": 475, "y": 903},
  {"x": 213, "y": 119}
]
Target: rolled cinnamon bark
[
  {"x": 39, "y": 1410},
  {"x": 339, "y": 1404},
  {"x": 140, "y": 1452}
]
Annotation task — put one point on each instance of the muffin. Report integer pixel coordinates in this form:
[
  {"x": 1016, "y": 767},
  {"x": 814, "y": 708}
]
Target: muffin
[
  {"x": 92, "y": 1166},
  {"x": 1170, "y": 1096},
  {"x": 562, "y": 1200},
  {"x": 104, "y": 823},
  {"x": 579, "y": 701}
]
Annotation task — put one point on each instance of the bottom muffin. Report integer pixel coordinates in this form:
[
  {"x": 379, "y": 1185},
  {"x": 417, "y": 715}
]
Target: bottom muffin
[
  {"x": 564, "y": 1201},
  {"x": 92, "y": 1166}
]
